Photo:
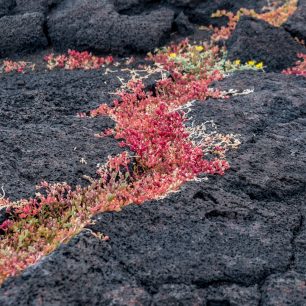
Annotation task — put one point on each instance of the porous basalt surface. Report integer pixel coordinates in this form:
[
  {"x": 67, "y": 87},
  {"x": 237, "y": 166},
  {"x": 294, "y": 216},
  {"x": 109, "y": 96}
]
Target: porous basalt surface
[
  {"x": 5, "y": 6},
  {"x": 296, "y": 23},
  {"x": 41, "y": 136},
  {"x": 16, "y": 37},
  {"x": 257, "y": 40},
  {"x": 232, "y": 240},
  {"x": 99, "y": 27},
  {"x": 103, "y": 26},
  {"x": 29, "y": 6},
  {"x": 201, "y": 13}
]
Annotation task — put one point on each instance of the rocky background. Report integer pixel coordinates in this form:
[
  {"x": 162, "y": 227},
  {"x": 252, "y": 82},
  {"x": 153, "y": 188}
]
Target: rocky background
[
  {"x": 233, "y": 240},
  {"x": 117, "y": 26}
]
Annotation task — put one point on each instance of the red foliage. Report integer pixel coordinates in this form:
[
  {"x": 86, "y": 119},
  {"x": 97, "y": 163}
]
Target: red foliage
[
  {"x": 20, "y": 67},
  {"x": 155, "y": 131},
  {"x": 153, "y": 127},
  {"x": 6, "y": 225},
  {"x": 299, "y": 68},
  {"x": 77, "y": 60}
]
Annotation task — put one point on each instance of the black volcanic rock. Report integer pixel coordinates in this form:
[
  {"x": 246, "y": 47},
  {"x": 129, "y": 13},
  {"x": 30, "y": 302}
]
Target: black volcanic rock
[
  {"x": 135, "y": 7},
  {"x": 52, "y": 141},
  {"x": 95, "y": 25},
  {"x": 6, "y": 6},
  {"x": 184, "y": 3},
  {"x": 22, "y": 34},
  {"x": 183, "y": 25},
  {"x": 214, "y": 295},
  {"x": 232, "y": 240},
  {"x": 296, "y": 24},
  {"x": 104, "y": 26},
  {"x": 300, "y": 244},
  {"x": 202, "y": 12},
  {"x": 29, "y": 6},
  {"x": 257, "y": 40},
  {"x": 288, "y": 289},
  {"x": 93, "y": 259},
  {"x": 41, "y": 137}
]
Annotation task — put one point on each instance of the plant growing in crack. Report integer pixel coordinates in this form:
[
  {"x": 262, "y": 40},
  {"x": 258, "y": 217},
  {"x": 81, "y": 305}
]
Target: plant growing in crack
[{"x": 167, "y": 152}]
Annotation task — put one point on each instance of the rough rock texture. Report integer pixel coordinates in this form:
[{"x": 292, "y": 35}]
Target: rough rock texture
[
  {"x": 183, "y": 25},
  {"x": 255, "y": 39},
  {"x": 184, "y": 3},
  {"x": 95, "y": 25},
  {"x": 232, "y": 240},
  {"x": 52, "y": 140},
  {"x": 202, "y": 13},
  {"x": 22, "y": 34},
  {"x": 5, "y": 6},
  {"x": 214, "y": 295},
  {"x": 300, "y": 246},
  {"x": 288, "y": 289},
  {"x": 296, "y": 24},
  {"x": 198, "y": 11},
  {"x": 117, "y": 26},
  {"x": 30, "y": 6},
  {"x": 135, "y": 7},
  {"x": 229, "y": 241}
]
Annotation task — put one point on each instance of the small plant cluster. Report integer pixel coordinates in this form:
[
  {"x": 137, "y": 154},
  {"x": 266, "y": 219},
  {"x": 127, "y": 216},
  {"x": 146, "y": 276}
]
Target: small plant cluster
[
  {"x": 166, "y": 154},
  {"x": 20, "y": 66},
  {"x": 197, "y": 60},
  {"x": 276, "y": 16},
  {"x": 73, "y": 60},
  {"x": 157, "y": 133},
  {"x": 77, "y": 60},
  {"x": 299, "y": 68},
  {"x": 237, "y": 65},
  {"x": 188, "y": 59}
]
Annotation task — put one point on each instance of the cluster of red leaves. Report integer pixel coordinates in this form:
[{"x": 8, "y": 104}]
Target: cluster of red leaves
[
  {"x": 155, "y": 131},
  {"x": 20, "y": 67},
  {"x": 153, "y": 127},
  {"x": 276, "y": 16},
  {"x": 36, "y": 226},
  {"x": 299, "y": 68},
  {"x": 77, "y": 60},
  {"x": 224, "y": 33}
]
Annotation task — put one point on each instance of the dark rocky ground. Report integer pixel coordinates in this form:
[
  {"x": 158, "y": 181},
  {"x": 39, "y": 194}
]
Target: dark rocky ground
[
  {"x": 40, "y": 127},
  {"x": 41, "y": 136},
  {"x": 117, "y": 26},
  {"x": 258, "y": 40},
  {"x": 233, "y": 240}
]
